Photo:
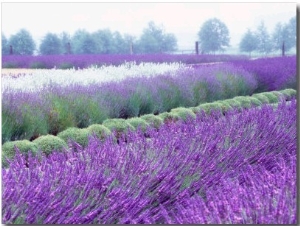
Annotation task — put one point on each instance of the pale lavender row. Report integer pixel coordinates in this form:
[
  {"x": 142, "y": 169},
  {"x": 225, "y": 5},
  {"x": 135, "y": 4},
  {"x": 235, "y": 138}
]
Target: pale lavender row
[
  {"x": 83, "y": 61},
  {"x": 240, "y": 168}
]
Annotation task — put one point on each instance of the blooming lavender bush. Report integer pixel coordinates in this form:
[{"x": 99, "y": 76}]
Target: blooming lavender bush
[
  {"x": 272, "y": 73},
  {"x": 238, "y": 168},
  {"x": 84, "y": 61},
  {"x": 28, "y": 113}
]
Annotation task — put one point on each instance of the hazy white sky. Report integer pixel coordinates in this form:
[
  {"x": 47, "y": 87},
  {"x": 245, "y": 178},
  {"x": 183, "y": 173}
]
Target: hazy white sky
[{"x": 182, "y": 19}]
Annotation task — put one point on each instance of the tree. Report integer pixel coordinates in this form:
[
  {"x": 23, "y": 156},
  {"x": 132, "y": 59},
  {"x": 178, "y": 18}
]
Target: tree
[
  {"x": 5, "y": 46},
  {"x": 130, "y": 43},
  {"x": 169, "y": 43},
  {"x": 213, "y": 36},
  {"x": 65, "y": 41},
  {"x": 291, "y": 29},
  {"x": 22, "y": 43},
  {"x": 248, "y": 42},
  {"x": 104, "y": 41},
  {"x": 119, "y": 44},
  {"x": 263, "y": 39},
  {"x": 155, "y": 40},
  {"x": 50, "y": 45},
  {"x": 83, "y": 42}
]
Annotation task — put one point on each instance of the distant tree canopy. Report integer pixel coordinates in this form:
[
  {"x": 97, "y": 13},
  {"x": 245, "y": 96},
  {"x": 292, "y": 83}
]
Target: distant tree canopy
[
  {"x": 65, "y": 40},
  {"x": 248, "y": 43},
  {"x": 154, "y": 39},
  {"x": 83, "y": 43},
  {"x": 4, "y": 46},
  {"x": 285, "y": 33},
  {"x": 22, "y": 43},
  {"x": 50, "y": 45},
  {"x": 213, "y": 36},
  {"x": 264, "y": 44}
]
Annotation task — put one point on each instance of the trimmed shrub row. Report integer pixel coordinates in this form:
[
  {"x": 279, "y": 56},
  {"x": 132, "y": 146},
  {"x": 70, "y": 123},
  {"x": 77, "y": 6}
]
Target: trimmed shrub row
[{"x": 118, "y": 127}]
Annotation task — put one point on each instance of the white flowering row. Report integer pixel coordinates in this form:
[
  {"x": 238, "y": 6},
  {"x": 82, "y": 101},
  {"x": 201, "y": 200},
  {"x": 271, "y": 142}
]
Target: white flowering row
[{"x": 34, "y": 80}]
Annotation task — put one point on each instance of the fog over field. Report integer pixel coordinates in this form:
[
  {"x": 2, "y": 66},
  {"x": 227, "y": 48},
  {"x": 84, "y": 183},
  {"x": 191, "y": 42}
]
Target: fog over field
[{"x": 184, "y": 20}]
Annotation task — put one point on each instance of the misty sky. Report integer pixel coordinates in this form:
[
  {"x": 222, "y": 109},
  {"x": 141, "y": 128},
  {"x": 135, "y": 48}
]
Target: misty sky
[{"x": 182, "y": 19}]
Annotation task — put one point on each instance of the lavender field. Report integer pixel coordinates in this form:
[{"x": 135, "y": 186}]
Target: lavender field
[
  {"x": 238, "y": 169},
  {"x": 152, "y": 140},
  {"x": 61, "y": 99}
]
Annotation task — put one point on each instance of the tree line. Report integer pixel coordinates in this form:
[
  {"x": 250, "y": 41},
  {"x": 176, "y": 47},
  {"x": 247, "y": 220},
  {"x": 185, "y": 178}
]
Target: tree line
[
  {"x": 283, "y": 38},
  {"x": 213, "y": 37},
  {"x": 154, "y": 39}
]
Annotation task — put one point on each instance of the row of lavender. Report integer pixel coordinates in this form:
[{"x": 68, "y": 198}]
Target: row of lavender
[
  {"x": 239, "y": 168},
  {"x": 84, "y": 61},
  {"x": 27, "y": 115},
  {"x": 118, "y": 128}
]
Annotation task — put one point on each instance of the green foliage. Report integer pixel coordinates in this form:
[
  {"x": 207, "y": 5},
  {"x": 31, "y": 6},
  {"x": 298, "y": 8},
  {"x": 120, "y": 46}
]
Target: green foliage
[
  {"x": 170, "y": 96},
  {"x": 272, "y": 97},
  {"x": 155, "y": 40},
  {"x": 10, "y": 65},
  {"x": 264, "y": 44},
  {"x": 284, "y": 33},
  {"x": 292, "y": 31},
  {"x": 244, "y": 101},
  {"x": 200, "y": 91},
  {"x": 119, "y": 125},
  {"x": 254, "y": 101},
  {"x": 99, "y": 130},
  {"x": 83, "y": 43},
  {"x": 9, "y": 126},
  {"x": 133, "y": 105},
  {"x": 22, "y": 43},
  {"x": 213, "y": 36},
  {"x": 196, "y": 110},
  {"x": 169, "y": 117},
  {"x": 225, "y": 106},
  {"x": 104, "y": 43},
  {"x": 80, "y": 136},
  {"x": 86, "y": 111},
  {"x": 184, "y": 113},
  {"x": 5, "y": 46},
  {"x": 65, "y": 40},
  {"x": 209, "y": 107},
  {"x": 9, "y": 149},
  {"x": 29, "y": 125},
  {"x": 60, "y": 117},
  {"x": 37, "y": 65},
  {"x": 289, "y": 93},
  {"x": 231, "y": 86},
  {"x": 49, "y": 143},
  {"x": 34, "y": 123},
  {"x": 50, "y": 45},
  {"x": 66, "y": 66},
  {"x": 262, "y": 98},
  {"x": 153, "y": 120},
  {"x": 248, "y": 43},
  {"x": 138, "y": 123},
  {"x": 278, "y": 94}
]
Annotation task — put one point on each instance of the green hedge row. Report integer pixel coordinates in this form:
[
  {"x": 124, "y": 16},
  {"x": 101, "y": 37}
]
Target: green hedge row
[{"x": 117, "y": 127}]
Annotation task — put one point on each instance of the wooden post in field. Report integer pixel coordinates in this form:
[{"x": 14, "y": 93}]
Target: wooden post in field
[
  {"x": 283, "y": 49},
  {"x": 197, "y": 47},
  {"x": 10, "y": 50},
  {"x": 68, "y": 48}
]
